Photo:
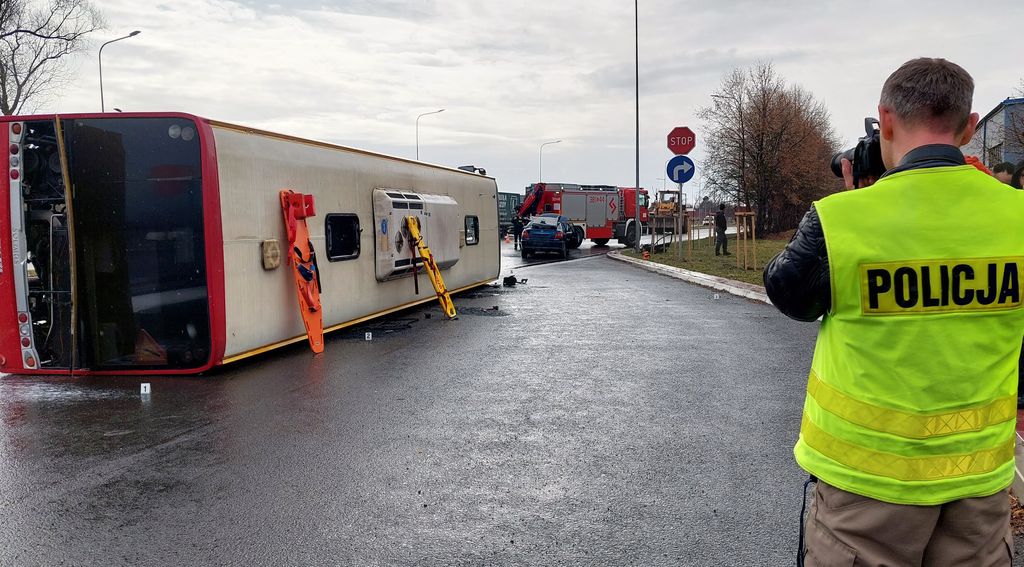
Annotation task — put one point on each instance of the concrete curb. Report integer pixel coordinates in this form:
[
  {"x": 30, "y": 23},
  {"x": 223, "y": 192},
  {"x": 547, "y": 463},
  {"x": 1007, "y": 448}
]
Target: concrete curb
[{"x": 741, "y": 289}]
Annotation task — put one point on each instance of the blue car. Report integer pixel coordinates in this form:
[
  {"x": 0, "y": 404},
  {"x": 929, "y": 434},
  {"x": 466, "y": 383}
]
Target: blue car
[{"x": 546, "y": 233}]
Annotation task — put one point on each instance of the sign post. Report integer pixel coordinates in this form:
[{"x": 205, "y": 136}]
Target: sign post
[{"x": 680, "y": 169}]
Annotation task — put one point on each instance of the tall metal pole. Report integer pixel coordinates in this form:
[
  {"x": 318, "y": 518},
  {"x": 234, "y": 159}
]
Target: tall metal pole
[
  {"x": 418, "y": 130},
  {"x": 636, "y": 52},
  {"x": 103, "y": 107},
  {"x": 540, "y": 166}
]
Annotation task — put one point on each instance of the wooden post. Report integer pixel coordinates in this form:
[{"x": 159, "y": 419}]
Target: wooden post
[
  {"x": 678, "y": 234},
  {"x": 739, "y": 236},
  {"x": 746, "y": 239},
  {"x": 689, "y": 241},
  {"x": 753, "y": 237}
]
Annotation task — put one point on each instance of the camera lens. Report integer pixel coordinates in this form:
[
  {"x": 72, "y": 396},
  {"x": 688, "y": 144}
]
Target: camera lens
[{"x": 837, "y": 161}]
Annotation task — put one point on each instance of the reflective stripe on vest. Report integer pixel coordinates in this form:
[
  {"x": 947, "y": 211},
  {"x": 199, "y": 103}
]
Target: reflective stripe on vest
[
  {"x": 904, "y": 468},
  {"x": 906, "y": 424}
]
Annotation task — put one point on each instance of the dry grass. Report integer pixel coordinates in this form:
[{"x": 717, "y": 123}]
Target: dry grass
[{"x": 703, "y": 259}]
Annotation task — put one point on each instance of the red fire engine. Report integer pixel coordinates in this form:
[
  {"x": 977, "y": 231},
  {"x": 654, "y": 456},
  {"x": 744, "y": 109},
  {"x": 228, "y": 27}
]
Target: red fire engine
[{"x": 597, "y": 212}]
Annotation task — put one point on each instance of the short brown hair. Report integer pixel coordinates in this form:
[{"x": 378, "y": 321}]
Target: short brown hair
[{"x": 932, "y": 92}]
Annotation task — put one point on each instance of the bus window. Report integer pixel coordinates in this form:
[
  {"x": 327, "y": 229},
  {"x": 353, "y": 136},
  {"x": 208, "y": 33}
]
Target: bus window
[
  {"x": 342, "y": 230},
  {"x": 472, "y": 230},
  {"x": 138, "y": 234}
]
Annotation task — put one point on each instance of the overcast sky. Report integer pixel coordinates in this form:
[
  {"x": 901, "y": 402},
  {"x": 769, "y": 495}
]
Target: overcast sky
[{"x": 512, "y": 74}]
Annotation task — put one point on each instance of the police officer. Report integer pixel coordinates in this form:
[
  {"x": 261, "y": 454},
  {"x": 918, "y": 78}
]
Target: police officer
[{"x": 908, "y": 422}]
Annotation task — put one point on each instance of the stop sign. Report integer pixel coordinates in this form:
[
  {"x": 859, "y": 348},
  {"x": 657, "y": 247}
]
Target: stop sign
[{"x": 681, "y": 140}]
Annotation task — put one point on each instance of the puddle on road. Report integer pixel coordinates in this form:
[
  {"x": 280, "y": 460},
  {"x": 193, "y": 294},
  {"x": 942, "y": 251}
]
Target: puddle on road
[
  {"x": 482, "y": 311},
  {"x": 380, "y": 327}
]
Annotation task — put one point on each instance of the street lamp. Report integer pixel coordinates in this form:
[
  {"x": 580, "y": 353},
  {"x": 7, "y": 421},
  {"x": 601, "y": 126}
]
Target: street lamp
[
  {"x": 636, "y": 54},
  {"x": 418, "y": 130},
  {"x": 103, "y": 107},
  {"x": 540, "y": 173}
]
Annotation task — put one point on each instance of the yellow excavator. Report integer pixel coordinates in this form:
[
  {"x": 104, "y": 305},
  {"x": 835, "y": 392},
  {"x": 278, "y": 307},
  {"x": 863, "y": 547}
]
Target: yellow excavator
[{"x": 665, "y": 211}]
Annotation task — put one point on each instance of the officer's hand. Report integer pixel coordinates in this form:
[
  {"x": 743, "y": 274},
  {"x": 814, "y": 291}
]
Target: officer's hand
[{"x": 848, "y": 176}]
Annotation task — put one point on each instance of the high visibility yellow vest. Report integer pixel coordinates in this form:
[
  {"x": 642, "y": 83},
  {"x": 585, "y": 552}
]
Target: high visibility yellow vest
[{"x": 912, "y": 392}]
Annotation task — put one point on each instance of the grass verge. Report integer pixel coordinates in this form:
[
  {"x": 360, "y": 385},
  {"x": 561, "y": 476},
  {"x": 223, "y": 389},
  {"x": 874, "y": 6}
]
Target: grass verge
[{"x": 703, "y": 259}]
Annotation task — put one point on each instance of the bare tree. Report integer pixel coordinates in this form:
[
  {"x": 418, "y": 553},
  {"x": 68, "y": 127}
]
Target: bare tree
[
  {"x": 768, "y": 146},
  {"x": 35, "y": 40}
]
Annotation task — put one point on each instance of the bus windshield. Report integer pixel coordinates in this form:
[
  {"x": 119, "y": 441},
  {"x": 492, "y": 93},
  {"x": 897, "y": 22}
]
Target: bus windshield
[{"x": 140, "y": 272}]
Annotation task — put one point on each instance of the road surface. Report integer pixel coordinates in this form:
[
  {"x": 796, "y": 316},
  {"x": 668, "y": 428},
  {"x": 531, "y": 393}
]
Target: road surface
[{"x": 600, "y": 415}]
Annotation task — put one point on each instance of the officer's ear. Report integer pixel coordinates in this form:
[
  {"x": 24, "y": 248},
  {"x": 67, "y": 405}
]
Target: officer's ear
[
  {"x": 968, "y": 133},
  {"x": 885, "y": 122}
]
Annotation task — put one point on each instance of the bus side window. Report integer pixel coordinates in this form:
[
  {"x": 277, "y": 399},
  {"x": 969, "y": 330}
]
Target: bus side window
[
  {"x": 472, "y": 230},
  {"x": 342, "y": 230}
]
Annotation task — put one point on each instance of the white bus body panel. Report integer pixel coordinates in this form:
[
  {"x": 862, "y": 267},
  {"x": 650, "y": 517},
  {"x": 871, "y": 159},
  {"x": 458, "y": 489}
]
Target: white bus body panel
[{"x": 261, "y": 308}]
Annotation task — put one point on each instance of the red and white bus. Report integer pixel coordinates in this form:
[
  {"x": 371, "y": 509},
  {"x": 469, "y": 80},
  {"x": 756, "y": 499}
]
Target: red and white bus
[{"x": 154, "y": 243}]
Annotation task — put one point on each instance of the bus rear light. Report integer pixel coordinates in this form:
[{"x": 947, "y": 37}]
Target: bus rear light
[
  {"x": 23, "y": 317},
  {"x": 16, "y": 128},
  {"x": 15, "y": 174},
  {"x": 25, "y": 342},
  {"x": 14, "y": 149},
  {"x": 30, "y": 361}
]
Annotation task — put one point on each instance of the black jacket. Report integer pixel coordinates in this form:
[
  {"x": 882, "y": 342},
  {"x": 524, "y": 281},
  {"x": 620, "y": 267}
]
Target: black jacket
[
  {"x": 797, "y": 280},
  {"x": 720, "y": 223}
]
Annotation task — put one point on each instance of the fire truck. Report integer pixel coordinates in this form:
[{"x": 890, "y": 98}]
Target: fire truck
[{"x": 598, "y": 212}]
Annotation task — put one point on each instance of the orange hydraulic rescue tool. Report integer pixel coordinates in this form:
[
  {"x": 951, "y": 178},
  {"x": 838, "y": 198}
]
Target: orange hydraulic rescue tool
[
  {"x": 302, "y": 257},
  {"x": 412, "y": 225}
]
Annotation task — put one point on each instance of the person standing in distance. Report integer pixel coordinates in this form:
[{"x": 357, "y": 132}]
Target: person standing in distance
[
  {"x": 908, "y": 421},
  {"x": 517, "y": 231},
  {"x": 721, "y": 241}
]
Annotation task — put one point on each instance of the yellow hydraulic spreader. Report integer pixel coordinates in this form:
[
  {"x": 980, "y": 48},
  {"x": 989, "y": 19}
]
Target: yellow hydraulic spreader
[{"x": 412, "y": 224}]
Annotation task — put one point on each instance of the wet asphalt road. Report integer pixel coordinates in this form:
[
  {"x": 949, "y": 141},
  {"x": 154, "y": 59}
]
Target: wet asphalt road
[
  {"x": 512, "y": 259},
  {"x": 601, "y": 416}
]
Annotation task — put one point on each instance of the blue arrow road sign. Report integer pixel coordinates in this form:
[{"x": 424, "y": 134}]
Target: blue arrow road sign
[{"x": 680, "y": 169}]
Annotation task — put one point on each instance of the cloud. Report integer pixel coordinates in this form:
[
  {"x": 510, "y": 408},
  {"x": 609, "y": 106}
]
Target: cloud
[{"x": 515, "y": 73}]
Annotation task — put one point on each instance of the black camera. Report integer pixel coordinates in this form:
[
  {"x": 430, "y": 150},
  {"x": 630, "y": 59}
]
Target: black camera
[{"x": 866, "y": 156}]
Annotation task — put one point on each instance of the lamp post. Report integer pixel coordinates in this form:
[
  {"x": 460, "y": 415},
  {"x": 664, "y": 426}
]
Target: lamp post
[
  {"x": 103, "y": 107},
  {"x": 418, "y": 130},
  {"x": 540, "y": 172},
  {"x": 636, "y": 53}
]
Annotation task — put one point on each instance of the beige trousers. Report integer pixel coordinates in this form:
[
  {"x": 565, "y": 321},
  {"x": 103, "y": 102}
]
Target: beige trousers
[{"x": 845, "y": 530}]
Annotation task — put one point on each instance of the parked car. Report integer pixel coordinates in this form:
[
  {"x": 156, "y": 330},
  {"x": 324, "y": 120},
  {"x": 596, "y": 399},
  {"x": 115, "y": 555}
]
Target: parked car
[{"x": 546, "y": 234}]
